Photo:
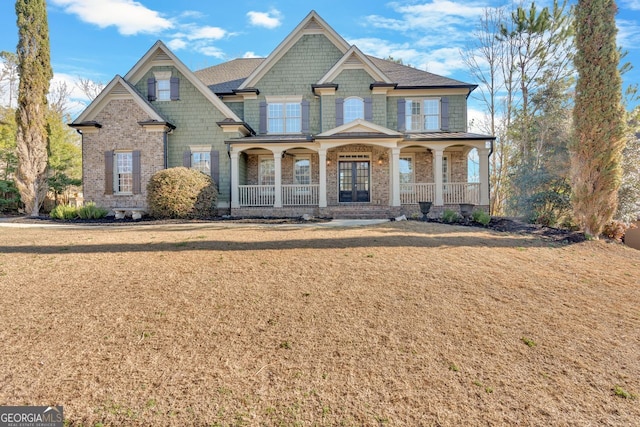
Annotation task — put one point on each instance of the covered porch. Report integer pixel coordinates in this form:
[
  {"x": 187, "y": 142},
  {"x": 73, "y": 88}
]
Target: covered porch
[{"x": 355, "y": 177}]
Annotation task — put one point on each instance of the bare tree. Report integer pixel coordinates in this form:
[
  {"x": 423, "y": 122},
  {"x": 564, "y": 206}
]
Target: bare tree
[
  {"x": 9, "y": 76},
  {"x": 59, "y": 95},
  {"x": 89, "y": 87}
]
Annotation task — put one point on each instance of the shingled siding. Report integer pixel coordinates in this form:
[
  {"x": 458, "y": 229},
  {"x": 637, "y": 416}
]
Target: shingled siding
[
  {"x": 303, "y": 65},
  {"x": 120, "y": 131},
  {"x": 457, "y": 112},
  {"x": 356, "y": 83},
  {"x": 195, "y": 119}
]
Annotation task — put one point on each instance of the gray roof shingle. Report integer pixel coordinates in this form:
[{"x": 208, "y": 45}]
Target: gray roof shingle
[{"x": 228, "y": 76}]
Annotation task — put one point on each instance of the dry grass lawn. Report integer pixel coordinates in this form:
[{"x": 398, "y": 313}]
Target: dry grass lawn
[{"x": 397, "y": 324}]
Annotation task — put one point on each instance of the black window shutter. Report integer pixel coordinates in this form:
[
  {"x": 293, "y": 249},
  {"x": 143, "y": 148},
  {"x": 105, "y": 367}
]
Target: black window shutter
[
  {"x": 151, "y": 89},
  {"x": 339, "y": 111},
  {"x": 215, "y": 167},
  {"x": 401, "y": 116},
  {"x": 108, "y": 172},
  {"x": 186, "y": 159},
  {"x": 368, "y": 109},
  {"x": 137, "y": 179},
  {"x": 305, "y": 116},
  {"x": 263, "y": 118},
  {"x": 175, "y": 88},
  {"x": 444, "y": 113}
]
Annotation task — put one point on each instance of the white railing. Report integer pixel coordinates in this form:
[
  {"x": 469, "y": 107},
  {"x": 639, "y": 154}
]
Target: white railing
[
  {"x": 453, "y": 193},
  {"x": 300, "y": 195},
  {"x": 412, "y": 193},
  {"x": 461, "y": 192},
  {"x": 257, "y": 195}
]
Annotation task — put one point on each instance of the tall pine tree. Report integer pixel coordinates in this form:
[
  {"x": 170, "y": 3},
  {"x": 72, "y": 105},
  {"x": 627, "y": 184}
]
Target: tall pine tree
[
  {"x": 596, "y": 150},
  {"x": 35, "y": 72}
]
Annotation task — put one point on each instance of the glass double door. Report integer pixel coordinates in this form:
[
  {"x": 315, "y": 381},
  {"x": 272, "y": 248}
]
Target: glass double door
[{"x": 354, "y": 179}]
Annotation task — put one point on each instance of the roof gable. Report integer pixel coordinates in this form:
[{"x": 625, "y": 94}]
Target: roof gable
[
  {"x": 354, "y": 59},
  {"x": 312, "y": 24},
  {"x": 159, "y": 54},
  {"x": 359, "y": 126},
  {"x": 118, "y": 88}
]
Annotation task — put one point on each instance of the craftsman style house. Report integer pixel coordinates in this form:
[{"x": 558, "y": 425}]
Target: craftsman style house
[{"x": 315, "y": 128}]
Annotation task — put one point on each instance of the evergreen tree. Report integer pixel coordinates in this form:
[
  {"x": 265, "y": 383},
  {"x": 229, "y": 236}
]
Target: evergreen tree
[
  {"x": 35, "y": 72},
  {"x": 596, "y": 149}
]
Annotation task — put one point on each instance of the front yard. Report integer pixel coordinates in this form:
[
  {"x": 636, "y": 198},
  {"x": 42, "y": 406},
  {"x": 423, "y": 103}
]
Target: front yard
[{"x": 404, "y": 323}]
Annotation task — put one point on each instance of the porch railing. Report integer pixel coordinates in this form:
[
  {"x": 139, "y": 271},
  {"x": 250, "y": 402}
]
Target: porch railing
[
  {"x": 461, "y": 192},
  {"x": 300, "y": 195},
  {"x": 453, "y": 193},
  {"x": 292, "y": 195},
  {"x": 412, "y": 193},
  {"x": 257, "y": 195}
]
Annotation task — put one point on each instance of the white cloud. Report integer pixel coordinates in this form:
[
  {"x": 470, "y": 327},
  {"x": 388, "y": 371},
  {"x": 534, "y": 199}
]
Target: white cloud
[
  {"x": 210, "y": 51},
  {"x": 250, "y": 54},
  {"x": 443, "y": 61},
  {"x": 176, "y": 44},
  {"x": 435, "y": 16},
  {"x": 128, "y": 16},
  {"x": 206, "y": 33},
  {"x": 631, "y": 4},
  {"x": 628, "y": 33},
  {"x": 270, "y": 20}
]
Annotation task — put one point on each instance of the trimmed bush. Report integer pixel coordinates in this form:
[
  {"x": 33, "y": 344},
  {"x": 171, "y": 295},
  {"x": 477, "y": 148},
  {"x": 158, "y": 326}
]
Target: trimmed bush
[
  {"x": 181, "y": 193},
  {"x": 64, "y": 212},
  {"x": 91, "y": 211},
  {"x": 481, "y": 217},
  {"x": 450, "y": 216}
]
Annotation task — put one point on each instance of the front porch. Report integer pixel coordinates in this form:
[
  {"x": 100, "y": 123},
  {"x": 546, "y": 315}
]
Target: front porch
[{"x": 356, "y": 180}]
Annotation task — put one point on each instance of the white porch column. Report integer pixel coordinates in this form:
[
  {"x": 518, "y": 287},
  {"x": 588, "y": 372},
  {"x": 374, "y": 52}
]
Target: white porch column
[
  {"x": 322, "y": 158},
  {"x": 235, "y": 180},
  {"x": 277, "y": 164},
  {"x": 395, "y": 176},
  {"x": 437, "y": 179},
  {"x": 483, "y": 155}
]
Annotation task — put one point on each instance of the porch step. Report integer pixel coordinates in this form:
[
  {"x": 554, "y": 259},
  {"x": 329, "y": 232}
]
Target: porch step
[{"x": 362, "y": 212}]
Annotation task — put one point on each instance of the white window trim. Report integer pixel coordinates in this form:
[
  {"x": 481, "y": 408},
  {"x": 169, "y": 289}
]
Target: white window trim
[
  {"x": 303, "y": 157},
  {"x": 344, "y": 108},
  {"x": 421, "y": 100},
  {"x": 116, "y": 175},
  {"x": 284, "y": 101},
  {"x": 208, "y": 152},
  {"x": 446, "y": 158},
  {"x": 260, "y": 159},
  {"x": 166, "y": 77},
  {"x": 413, "y": 167}
]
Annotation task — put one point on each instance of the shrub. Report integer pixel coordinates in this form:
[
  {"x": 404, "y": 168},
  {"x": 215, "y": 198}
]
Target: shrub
[
  {"x": 64, "y": 212},
  {"x": 481, "y": 217},
  {"x": 450, "y": 216},
  {"x": 9, "y": 196},
  {"x": 91, "y": 211},
  {"x": 615, "y": 230},
  {"x": 181, "y": 193}
]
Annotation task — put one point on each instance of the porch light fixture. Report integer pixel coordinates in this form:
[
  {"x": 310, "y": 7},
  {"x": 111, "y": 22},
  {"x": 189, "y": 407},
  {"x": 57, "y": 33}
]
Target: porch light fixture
[{"x": 328, "y": 162}]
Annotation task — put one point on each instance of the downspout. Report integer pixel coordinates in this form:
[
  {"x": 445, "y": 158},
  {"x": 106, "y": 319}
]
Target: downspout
[
  {"x": 165, "y": 144},
  {"x": 230, "y": 174},
  {"x": 489, "y": 174}
]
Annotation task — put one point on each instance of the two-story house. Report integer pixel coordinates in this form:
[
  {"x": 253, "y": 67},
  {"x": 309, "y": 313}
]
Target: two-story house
[{"x": 315, "y": 128}]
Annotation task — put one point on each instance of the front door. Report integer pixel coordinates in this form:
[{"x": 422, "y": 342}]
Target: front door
[{"x": 354, "y": 179}]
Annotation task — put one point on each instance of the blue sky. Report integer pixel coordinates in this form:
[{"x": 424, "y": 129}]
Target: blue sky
[{"x": 97, "y": 39}]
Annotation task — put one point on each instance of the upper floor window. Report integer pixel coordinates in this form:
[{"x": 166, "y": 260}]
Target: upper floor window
[
  {"x": 353, "y": 109},
  {"x": 284, "y": 117},
  {"x": 163, "y": 87},
  {"x": 163, "y": 90},
  {"x": 422, "y": 114}
]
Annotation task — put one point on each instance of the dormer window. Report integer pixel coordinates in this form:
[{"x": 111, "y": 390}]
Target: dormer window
[{"x": 353, "y": 109}]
